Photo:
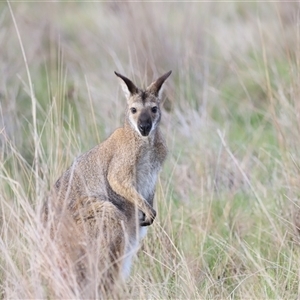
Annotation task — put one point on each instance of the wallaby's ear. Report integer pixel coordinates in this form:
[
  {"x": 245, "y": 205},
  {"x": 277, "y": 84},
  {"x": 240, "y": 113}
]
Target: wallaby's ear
[
  {"x": 155, "y": 87},
  {"x": 127, "y": 85}
]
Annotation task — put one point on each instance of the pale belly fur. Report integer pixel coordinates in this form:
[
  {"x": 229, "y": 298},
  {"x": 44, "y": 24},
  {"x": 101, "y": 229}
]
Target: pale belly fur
[
  {"x": 146, "y": 181},
  {"x": 131, "y": 249}
]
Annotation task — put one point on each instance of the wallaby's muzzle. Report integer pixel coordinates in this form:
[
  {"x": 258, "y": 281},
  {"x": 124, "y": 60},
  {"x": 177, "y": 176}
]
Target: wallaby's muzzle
[{"x": 144, "y": 124}]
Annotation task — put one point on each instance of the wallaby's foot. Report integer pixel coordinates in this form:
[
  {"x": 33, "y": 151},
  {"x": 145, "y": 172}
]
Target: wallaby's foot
[{"x": 148, "y": 220}]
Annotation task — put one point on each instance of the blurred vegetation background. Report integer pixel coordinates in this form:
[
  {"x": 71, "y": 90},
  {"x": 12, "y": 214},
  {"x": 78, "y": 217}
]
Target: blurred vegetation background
[{"x": 227, "y": 200}]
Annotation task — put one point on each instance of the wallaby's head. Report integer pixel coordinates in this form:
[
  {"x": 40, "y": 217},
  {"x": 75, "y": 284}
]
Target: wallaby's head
[{"x": 143, "y": 111}]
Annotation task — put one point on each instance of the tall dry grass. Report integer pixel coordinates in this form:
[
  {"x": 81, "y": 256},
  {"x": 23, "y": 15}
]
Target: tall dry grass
[{"x": 227, "y": 198}]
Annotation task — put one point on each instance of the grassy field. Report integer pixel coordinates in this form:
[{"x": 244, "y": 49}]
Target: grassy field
[{"x": 228, "y": 196}]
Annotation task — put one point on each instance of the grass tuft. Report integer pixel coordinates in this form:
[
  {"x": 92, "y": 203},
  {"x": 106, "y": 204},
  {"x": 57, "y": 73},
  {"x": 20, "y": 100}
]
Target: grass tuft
[{"x": 228, "y": 197}]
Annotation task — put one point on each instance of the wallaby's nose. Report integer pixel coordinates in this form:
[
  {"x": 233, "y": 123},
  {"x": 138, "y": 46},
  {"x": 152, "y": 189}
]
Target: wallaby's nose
[{"x": 144, "y": 124}]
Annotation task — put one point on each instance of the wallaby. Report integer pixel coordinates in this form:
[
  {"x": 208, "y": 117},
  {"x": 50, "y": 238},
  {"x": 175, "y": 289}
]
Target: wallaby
[{"x": 108, "y": 192}]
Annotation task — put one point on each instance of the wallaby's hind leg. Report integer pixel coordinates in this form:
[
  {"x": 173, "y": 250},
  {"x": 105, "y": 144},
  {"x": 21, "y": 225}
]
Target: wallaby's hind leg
[{"x": 104, "y": 226}]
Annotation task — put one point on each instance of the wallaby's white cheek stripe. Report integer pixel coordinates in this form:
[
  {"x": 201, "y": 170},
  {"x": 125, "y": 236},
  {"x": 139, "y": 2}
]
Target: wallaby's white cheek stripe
[{"x": 134, "y": 124}]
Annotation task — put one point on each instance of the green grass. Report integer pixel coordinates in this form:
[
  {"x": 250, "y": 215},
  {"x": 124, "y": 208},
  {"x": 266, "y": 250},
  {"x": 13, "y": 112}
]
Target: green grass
[{"x": 228, "y": 195}]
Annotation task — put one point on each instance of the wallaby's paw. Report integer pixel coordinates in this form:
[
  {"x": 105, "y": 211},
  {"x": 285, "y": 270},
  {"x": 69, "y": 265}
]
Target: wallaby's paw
[{"x": 148, "y": 219}]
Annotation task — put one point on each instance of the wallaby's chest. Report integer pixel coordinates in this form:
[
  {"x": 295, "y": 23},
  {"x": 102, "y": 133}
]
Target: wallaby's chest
[{"x": 147, "y": 170}]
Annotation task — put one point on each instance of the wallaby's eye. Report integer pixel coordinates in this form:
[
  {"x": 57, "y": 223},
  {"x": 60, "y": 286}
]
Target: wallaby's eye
[
  {"x": 133, "y": 110},
  {"x": 154, "y": 109}
]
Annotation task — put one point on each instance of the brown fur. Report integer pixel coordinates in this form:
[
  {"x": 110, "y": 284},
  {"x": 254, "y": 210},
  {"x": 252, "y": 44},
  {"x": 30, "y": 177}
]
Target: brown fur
[{"x": 103, "y": 199}]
